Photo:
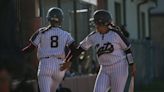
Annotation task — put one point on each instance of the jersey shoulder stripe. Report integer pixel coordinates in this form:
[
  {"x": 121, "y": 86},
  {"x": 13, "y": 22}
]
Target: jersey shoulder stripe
[
  {"x": 42, "y": 30},
  {"x": 34, "y": 35},
  {"x": 45, "y": 29},
  {"x": 93, "y": 32},
  {"x": 121, "y": 36}
]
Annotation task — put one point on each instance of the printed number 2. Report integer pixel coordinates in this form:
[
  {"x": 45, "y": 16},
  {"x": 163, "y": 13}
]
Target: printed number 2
[{"x": 54, "y": 41}]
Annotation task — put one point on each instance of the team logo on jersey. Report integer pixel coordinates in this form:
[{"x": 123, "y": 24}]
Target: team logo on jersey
[{"x": 106, "y": 48}]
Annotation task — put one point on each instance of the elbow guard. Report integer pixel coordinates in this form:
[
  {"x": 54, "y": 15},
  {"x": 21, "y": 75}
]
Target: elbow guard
[{"x": 129, "y": 56}]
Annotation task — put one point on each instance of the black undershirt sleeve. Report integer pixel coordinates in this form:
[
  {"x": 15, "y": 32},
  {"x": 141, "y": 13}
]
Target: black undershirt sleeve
[{"x": 75, "y": 50}]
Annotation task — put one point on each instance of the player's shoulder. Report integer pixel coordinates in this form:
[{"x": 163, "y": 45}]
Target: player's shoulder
[
  {"x": 66, "y": 32},
  {"x": 44, "y": 29},
  {"x": 92, "y": 33},
  {"x": 119, "y": 34},
  {"x": 117, "y": 31},
  {"x": 40, "y": 30}
]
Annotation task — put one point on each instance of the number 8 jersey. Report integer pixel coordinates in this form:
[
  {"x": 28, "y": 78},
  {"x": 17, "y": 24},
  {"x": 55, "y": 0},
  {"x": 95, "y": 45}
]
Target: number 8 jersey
[{"x": 51, "y": 42}]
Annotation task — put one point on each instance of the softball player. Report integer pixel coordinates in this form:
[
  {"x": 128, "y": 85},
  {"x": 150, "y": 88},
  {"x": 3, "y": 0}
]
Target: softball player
[
  {"x": 50, "y": 43},
  {"x": 113, "y": 53}
]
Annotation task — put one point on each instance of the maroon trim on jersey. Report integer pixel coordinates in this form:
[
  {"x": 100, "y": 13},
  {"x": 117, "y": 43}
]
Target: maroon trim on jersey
[{"x": 122, "y": 37}]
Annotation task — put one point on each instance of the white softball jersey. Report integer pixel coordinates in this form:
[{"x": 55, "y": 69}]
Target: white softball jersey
[
  {"x": 110, "y": 49},
  {"x": 51, "y": 42},
  {"x": 109, "y": 46}
]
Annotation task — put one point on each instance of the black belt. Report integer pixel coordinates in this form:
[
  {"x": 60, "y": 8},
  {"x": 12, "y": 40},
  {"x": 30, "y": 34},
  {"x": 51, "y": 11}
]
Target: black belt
[{"x": 50, "y": 57}]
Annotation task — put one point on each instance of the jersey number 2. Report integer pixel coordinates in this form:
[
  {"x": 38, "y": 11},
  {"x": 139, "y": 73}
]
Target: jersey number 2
[{"x": 54, "y": 41}]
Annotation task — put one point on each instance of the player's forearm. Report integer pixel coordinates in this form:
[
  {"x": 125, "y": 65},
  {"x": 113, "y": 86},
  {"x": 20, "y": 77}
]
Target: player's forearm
[
  {"x": 28, "y": 48},
  {"x": 74, "y": 53}
]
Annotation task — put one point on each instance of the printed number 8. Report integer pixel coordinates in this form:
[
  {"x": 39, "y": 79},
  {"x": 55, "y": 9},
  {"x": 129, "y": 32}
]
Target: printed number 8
[{"x": 54, "y": 41}]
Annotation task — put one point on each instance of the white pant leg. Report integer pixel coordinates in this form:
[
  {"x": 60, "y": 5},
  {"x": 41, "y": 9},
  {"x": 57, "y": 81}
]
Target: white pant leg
[
  {"x": 57, "y": 78},
  {"x": 54, "y": 86},
  {"x": 102, "y": 82},
  {"x": 49, "y": 74},
  {"x": 44, "y": 83},
  {"x": 119, "y": 76}
]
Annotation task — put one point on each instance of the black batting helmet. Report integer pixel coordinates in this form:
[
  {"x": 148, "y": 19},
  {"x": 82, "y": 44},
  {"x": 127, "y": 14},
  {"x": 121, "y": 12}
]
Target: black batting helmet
[
  {"x": 55, "y": 14},
  {"x": 102, "y": 17}
]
